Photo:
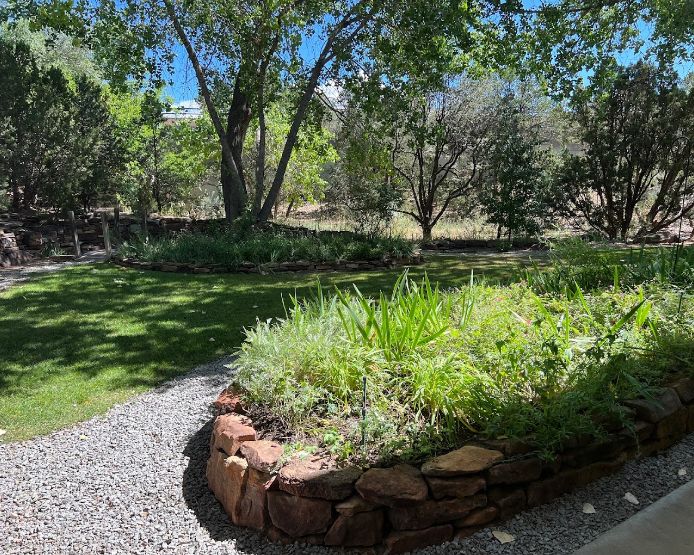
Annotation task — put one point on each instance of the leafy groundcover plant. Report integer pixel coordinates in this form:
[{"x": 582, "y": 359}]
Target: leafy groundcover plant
[
  {"x": 437, "y": 366},
  {"x": 232, "y": 247}
]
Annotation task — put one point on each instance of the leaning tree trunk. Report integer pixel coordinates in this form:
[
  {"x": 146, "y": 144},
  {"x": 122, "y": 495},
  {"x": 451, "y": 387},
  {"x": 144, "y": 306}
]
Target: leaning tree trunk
[{"x": 238, "y": 119}]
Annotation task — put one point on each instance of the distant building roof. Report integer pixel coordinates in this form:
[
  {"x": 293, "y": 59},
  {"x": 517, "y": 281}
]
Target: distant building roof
[{"x": 186, "y": 109}]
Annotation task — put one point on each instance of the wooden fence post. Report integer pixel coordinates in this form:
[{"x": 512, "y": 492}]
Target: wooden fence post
[
  {"x": 107, "y": 238},
  {"x": 75, "y": 238}
]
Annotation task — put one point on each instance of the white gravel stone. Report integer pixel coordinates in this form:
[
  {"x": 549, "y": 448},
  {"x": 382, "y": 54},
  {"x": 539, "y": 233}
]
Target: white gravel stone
[{"x": 136, "y": 484}]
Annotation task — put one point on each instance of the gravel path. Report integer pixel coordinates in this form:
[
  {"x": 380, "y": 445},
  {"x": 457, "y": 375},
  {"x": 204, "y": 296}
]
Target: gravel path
[
  {"x": 17, "y": 274},
  {"x": 132, "y": 481}
]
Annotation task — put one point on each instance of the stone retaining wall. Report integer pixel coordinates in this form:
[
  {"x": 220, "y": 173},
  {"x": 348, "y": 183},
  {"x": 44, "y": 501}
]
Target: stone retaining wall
[
  {"x": 405, "y": 507},
  {"x": 273, "y": 267},
  {"x": 33, "y": 232},
  {"x": 10, "y": 253}
]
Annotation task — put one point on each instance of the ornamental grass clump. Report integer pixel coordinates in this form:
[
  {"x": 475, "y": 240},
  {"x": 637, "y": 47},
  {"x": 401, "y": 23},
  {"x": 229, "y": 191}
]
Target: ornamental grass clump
[{"x": 441, "y": 366}]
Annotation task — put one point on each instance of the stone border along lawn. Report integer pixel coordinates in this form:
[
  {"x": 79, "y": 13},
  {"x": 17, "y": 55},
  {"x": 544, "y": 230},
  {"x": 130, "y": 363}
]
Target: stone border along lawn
[
  {"x": 273, "y": 267},
  {"x": 402, "y": 508}
]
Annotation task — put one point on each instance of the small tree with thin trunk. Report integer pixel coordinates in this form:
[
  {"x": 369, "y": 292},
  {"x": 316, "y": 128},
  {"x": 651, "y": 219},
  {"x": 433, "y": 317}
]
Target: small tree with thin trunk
[{"x": 440, "y": 148}]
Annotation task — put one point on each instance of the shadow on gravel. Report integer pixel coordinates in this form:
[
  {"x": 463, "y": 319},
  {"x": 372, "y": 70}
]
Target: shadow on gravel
[{"x": 207, "y": 509}]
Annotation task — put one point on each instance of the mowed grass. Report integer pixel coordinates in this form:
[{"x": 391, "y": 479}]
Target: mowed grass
[{"x": 76, "y": 342}]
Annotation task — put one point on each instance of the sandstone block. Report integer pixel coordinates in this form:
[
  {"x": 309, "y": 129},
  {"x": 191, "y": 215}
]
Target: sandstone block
[
  {"x": 654, "y": 410},
  {"x": 479, "y": 517},
  {"x": 226, "y": 477},
  {"x": 460, "y": 486},
  {"x": 406, "y": 541},
  {"x": 359, "y": 530},
  {"x": 685, "y": 389},
  {"x": 317, "y": 477},
  {"x": 299, "y": 516},
  {"x": 514, "y": 472},
  {"x": 262, "y": 454},
  {"x": 429, "y": 513},
  {"x": 230, "y": 431},
  {"x": 354, "y": 505},
  {"x": 396, "y": 486},
  {"x": 228, "y": 401},
  {"x": 510, "y": 501},
  {"x": 674, "y": 425},
  {"x": 467, "y": 460}
]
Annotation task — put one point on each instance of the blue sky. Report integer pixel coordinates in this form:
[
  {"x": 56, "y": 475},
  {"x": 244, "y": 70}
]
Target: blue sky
[{"x": 185, "y": 87}]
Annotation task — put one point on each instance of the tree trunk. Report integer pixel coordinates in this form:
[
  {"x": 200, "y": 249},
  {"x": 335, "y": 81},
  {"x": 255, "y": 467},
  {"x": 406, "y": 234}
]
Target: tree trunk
[
  {"x": 260, "y": 162},
  {"x": 426, "y": 231},
  {"x": 238, "y": 118},
  {"x": 289, "y": 208},
  {"x": 15, "y": 196}
]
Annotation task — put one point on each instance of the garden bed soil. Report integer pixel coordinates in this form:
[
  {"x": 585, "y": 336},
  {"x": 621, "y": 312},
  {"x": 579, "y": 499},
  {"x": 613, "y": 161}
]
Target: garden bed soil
[{"x": 403, "y": 507}]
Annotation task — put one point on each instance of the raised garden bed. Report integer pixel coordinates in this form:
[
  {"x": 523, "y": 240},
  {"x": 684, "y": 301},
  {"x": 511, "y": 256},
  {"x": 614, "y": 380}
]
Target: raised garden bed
[
  {"x": 273, "y": 267},
  {"x": 402, "y": 507}
]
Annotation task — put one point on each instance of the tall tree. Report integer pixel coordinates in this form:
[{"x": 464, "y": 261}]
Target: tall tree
[
  {"x": 637, "y": 167},
  {"x": 250, "y": 49}
]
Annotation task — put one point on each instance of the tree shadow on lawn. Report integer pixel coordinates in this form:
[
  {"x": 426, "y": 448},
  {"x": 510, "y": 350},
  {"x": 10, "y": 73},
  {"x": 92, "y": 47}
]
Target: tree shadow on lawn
[
  {"x": 79, "y": 340},
  {"x": 148, "y": 325}
]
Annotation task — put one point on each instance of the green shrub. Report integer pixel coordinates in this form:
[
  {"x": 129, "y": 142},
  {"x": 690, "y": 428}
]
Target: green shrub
[
  {"x": 439, "y": 366},
  {"x": 575, "y": 262},
  {"x": 232, "y": 247}
]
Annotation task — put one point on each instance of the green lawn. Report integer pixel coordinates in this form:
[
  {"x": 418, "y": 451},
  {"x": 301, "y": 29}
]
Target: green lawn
[{"x": 76, "y": 342}]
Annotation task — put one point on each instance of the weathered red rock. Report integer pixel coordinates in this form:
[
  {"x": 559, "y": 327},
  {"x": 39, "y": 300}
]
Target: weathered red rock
[
  {"x": 509, "y": 447},
  {"x": 226, "y": 477},
  {"x": 596, "y": 451},
  {"x": 673, "y": 425},
  {"x": 276, "y": 535},
  {"x": 396, "y": 486},
  {"x": 228, "y": 400},
  {"x": 409, "y": 540},
  {"x": 510, "y": 501},
  {"x": 253, "y": 512},
  {"x": 514, "y": 472},
  {"x": 543, "y": 491},
  {"x": 654, "y": 410},
  {"x": 641, "y": 432},
  {"x": 685, "y": 389},
  {"x": 317, "y": 477},
  {"x": 299, "y": 516},
  {"x": 479, "y": 517},
  {"x": 429, "y": 513},
  {"x": 359, "y": 530},
  {"x": 467, "y": 460},
  {"x": 230, "y": 431},
  {"x": 354, "y": 505},
  {"x": 459, "y": 486},
  {"x": 262, "y": 454}
]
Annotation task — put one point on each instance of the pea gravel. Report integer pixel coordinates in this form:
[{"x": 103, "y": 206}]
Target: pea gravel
[{"x": 133, "y": 481}]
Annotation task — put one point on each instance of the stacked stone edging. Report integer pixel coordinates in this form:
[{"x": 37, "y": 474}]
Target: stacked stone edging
[
  {"x": 401, "y": 508},
  {"x": 10, "y": 253},
  {"x": 272, "y": 267}
]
